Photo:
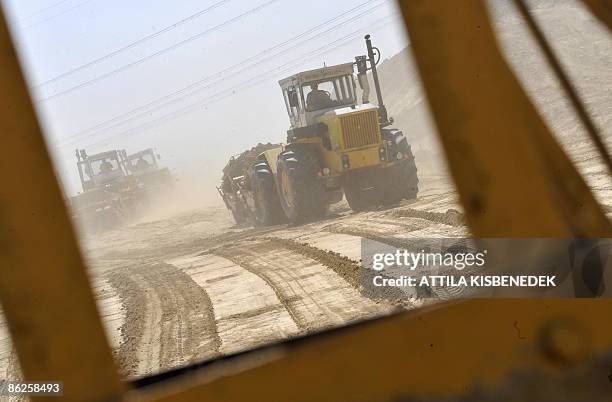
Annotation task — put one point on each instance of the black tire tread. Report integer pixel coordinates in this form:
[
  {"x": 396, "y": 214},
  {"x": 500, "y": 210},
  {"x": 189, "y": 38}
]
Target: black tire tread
[
  {"x": 311, "y": 199},
  {"x": 268, "y": 210}
]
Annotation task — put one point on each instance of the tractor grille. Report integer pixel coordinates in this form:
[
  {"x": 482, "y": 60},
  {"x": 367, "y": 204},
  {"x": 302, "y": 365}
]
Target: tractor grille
[{"x": 360, "y": 129}]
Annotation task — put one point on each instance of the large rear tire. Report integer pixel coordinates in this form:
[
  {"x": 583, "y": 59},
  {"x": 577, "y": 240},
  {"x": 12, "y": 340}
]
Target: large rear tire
[
  {"x": 361, "y": 190},
  {"x": 301, "y": 191},
  {"x": 268, "y": 210}
]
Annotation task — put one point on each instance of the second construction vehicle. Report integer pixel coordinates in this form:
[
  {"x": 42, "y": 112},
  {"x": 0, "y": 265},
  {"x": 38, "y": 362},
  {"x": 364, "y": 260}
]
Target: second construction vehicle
[
  {"x": 110, "y": 195},
  {"x": 335, "y": 146},
  {"x": 144, "y": 165}
]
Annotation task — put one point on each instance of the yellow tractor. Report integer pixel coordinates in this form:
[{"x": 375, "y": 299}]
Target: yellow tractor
[
  {"x": 145, "y": 166},
  {"x": 110, "y": 196},
  {"x": 335, "y": 145}
]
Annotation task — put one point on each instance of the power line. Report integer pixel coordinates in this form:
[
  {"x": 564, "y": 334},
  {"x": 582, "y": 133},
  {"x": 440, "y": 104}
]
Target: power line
[
  {"x": 212, "y": 99},
  {"x": 253, "y": 81},
  {"x": 52, "y": 17},
  {"x": 244, "y": 64},
  {"x": 42, "y": 10},
  {"x": 131, "y": 45},
  {"x": 158, "y": 53},
  {"x": 247, "y": 83}
]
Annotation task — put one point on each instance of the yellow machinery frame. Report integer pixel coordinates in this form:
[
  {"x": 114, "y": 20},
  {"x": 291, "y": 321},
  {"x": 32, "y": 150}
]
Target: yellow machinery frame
[{"x": 492, "y": 145}]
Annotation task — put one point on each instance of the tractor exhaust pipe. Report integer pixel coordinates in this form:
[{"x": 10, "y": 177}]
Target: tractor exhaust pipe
[
  {"x": 384, "y": 119},
  {"x": 362, "y": 77}
]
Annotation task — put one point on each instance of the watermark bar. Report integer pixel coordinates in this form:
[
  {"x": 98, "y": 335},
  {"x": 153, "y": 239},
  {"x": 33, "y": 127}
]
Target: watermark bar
[
  {"x": 455, "y": 268},
  {"x": 31, "y": 388}
]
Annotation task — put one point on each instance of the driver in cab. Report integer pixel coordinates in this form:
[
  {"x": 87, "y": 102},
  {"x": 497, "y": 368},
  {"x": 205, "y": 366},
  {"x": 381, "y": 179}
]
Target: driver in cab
[
  {"x": 106, "y": 167},
  {"x": 142, "y": 164},
  {"x": 317, "y": 98}
]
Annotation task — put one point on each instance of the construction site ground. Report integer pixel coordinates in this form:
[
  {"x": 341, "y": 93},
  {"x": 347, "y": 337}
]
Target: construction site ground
[{"x": 195, "y": 286}]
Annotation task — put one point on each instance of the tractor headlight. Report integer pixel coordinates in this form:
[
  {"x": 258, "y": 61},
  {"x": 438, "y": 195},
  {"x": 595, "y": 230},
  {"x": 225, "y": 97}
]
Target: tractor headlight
[
  {"x": 399, "y": 156},
  {"x": 382, "y": 154}
]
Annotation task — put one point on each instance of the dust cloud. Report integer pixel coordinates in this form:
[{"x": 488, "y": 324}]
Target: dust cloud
[{"x": 185, "y": 195}]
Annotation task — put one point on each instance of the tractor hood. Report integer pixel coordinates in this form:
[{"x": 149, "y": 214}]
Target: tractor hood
[{"x": 351, "y": 109}]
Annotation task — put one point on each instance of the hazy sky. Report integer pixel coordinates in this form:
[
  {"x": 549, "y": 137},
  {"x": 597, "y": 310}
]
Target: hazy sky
[{"x": 226, "y": 57}]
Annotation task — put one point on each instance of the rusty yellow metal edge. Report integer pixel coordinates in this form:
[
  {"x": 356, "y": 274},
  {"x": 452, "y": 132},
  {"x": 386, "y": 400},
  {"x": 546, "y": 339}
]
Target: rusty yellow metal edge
[
  {"x": 326, "y": 369},
  {"x": 513, "y": 178},
  {"x": 438, "y": 351},
  {"x": 44, "y": 290}
]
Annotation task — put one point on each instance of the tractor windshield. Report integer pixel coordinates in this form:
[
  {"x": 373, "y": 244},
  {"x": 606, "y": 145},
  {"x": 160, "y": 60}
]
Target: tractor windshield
[
  {"x": 329, "y": 93},
  {"x": 142, "y": 162},
  {"x": 104, "y": 166}
]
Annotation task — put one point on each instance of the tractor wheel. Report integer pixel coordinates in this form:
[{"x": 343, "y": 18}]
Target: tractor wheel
[
  {"x": 400, "y": 181},
  {"x": 238, "y": 213},
  {"x": 361, "y": 190},
  {"x": 268, "y": 210},
  {"x": 108, "y": 218},
  {"x": 302, "y": 193}
]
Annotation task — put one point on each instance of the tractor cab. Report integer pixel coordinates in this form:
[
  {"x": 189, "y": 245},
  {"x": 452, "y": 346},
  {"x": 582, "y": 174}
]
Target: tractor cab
[
  {"x": 313, "y": 93},
  {"x": 142, "y": 162},
  {"x": 144, "y": 166},
  {"x": 100, "y": 169}
]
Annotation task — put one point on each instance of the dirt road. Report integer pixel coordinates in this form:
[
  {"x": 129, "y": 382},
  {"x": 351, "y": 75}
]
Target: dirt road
[{"x": 194, "y": 286}]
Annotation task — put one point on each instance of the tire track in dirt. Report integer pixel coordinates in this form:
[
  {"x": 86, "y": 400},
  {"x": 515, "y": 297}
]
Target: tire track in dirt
[
  {"x": 346, "y": 268},
  {"x": 390, "y": 239},
  {"x": 171, "y": 321},
  {"x": 366, "y": 234},
  {"x": 375, "y": 221},
  {"x": 110, "y": 309},
  {"x": 163, "y": 246},
  {"x": 226, "y": 253},
  {"x": 350, "y": 270},
  {"x": 451, "y": 217},
  {"x": 314, "y": 294},
  {"x": 248, "y": 312},
  {"x": 395, "y": 238}
]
